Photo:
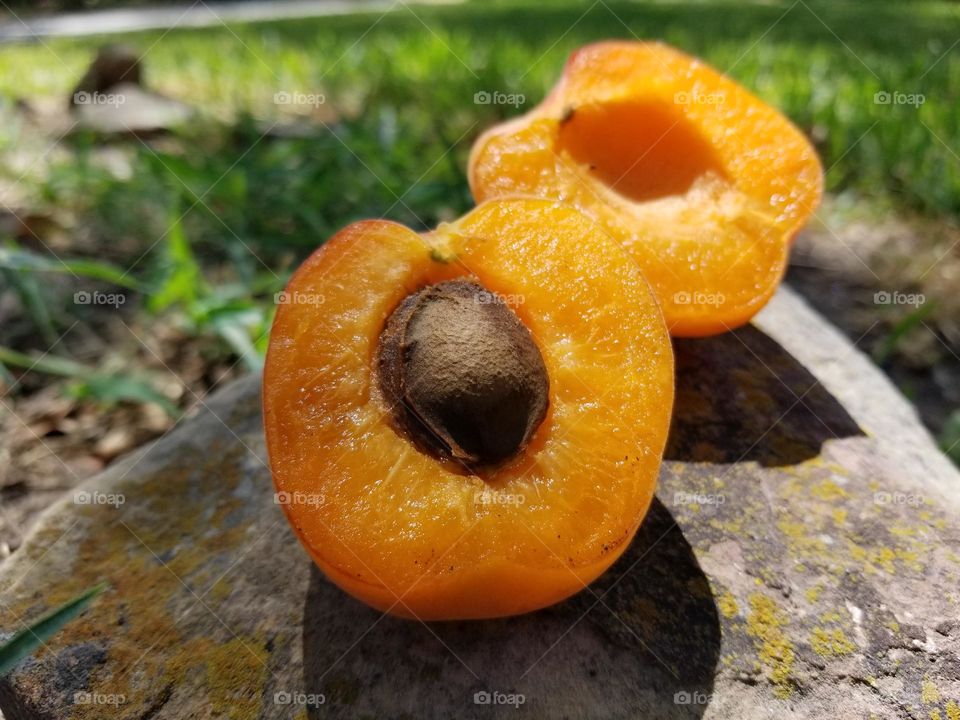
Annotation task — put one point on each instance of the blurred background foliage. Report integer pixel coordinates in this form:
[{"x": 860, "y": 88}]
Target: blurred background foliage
[{"x": 198, "y": 228}]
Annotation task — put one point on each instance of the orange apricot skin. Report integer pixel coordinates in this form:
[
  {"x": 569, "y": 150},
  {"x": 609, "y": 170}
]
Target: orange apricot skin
[
  {"x": 493, "y": 586},
  {"x": 518, "y": 590},
  {"x": 712, "y": 126}
]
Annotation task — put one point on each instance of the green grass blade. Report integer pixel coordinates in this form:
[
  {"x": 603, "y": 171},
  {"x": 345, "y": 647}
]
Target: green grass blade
[
  {"x": 31, "y": 298},
  {"x": 49, "y": 364},
  {"x": 18, "y": 259},
  {"x": 23, "y": 643},
  {"x": 183, "y": 279},
  {"x": 237, "y": 335},
  {"x": 103, "y": 387},
  {"x": 111, "y": 389}
]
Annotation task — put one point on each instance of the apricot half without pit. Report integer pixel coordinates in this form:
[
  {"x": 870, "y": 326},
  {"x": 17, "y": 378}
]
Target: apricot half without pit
[{"x": 703, "y": 182}]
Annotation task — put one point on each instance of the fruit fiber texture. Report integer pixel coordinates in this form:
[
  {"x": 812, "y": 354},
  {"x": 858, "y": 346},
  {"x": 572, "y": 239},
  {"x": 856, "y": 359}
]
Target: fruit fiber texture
[
  {"x": 422, "y": 536},
  {"x": 704, "y": 183}
]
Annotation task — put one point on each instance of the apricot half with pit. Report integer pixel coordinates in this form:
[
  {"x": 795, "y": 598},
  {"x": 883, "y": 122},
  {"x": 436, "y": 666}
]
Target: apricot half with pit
[
  {"x": 703, "y": 182},
  {"x": 468, "y": 422}
]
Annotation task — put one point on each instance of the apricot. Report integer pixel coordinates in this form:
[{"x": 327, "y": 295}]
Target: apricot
[
  {"x": 704, "y": 183},
  {"x": 469, "y": 422}
]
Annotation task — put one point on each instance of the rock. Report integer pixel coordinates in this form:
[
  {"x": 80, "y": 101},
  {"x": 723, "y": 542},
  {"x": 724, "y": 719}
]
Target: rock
[
  {"x": 111, "y": 98},
  {"x": 114, "y": 64},
  {"x": 802, "y": 561},
  {"x": 129, "y": 109}
]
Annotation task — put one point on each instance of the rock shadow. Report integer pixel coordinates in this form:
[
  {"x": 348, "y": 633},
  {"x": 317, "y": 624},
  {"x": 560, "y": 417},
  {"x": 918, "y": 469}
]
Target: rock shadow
[
  {"x": 642, "y": 641},
  {"x": 741, "y": 397}
]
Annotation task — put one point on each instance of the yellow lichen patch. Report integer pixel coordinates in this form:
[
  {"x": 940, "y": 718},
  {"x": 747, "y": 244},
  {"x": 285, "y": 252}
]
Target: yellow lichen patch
[
  {"x": 839, "y": 517},
  {"x": 929, "y": 693},
  {"x": 142, "y": 645},
  {"x": 830, "y": 643},
  {"x": 911, "y": 558},
  {"x": 728, "y": 605},
  {"x": 830, "y": 616},
  {"x": 733, "y": 528},
  {"x": 230, "y": 675},
  {"x": 828, "y": 491},
  {"x": 953, "y": 710},
  {"x": 883, "y": 559},
  {"x": 935, "y": 715},
  {"x": 813, "y": 593},
  {"x": 235, "y": 674},
  {"x": 221, "y": 590},
  {"x": 765, "y": 624},
  {"x": 801, "y": 542},
  {"x": 903, "y": 531}
]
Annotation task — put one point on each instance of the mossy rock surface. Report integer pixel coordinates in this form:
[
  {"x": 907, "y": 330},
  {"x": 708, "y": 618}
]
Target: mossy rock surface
[{"x": 802, "y": 561}]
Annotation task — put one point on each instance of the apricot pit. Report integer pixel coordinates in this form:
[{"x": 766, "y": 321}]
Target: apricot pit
[{"x": 463, "y": 373}]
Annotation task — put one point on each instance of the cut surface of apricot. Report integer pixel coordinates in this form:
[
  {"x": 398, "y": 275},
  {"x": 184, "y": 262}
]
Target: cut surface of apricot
[
  {"x": 703, "y": 182},
  {"x": 420, "y": 530}
]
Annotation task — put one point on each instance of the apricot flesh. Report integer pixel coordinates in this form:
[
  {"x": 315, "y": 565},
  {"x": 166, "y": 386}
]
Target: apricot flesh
[
  {"x": 423, "y": 535},
  {"x": 704, "y": 183}
]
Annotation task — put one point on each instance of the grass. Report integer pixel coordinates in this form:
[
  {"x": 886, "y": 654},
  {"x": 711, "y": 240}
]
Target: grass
[
  {"x": 414, "y": 73},
  {"x": 32, "y": 637},
  {"x": 209, "y": 223}
]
